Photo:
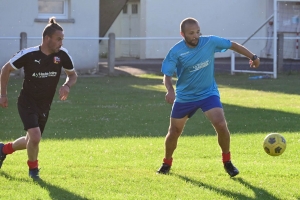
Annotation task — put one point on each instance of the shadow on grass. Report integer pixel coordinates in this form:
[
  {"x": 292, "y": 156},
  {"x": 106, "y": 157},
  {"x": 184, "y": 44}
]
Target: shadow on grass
[
  {"x": 259, "y": 192},
  {"x": 108, "y": 107},
  {"x": 55, "y": 192},
  {"x": 249, "y": 120},
  {"x": 145, "y": 120},
  {"x": 152, "y": 121}
]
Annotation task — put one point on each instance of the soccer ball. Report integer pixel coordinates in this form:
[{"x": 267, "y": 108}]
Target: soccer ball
[{"x": 274, "y": 144}]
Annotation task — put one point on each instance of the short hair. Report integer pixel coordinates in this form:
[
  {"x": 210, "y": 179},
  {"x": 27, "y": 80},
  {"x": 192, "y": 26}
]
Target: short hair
[
  {"x": 188, "y": 20},
  {"x": 51, "y": 27}
]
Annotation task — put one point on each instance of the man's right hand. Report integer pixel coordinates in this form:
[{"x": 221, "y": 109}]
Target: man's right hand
[
  {"x": 3, "y": 102},
  {"x": 170, "y": 97}
]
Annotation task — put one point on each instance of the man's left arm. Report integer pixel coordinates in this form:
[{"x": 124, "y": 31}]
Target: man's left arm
[
  {"x": 254, "y": 61},
  {"x": 70, "y": 81}
]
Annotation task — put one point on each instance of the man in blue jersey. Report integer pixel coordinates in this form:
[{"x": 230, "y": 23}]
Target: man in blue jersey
[
  {"x": 192, "y": 59},
  {"x": 42, "y": 68}
]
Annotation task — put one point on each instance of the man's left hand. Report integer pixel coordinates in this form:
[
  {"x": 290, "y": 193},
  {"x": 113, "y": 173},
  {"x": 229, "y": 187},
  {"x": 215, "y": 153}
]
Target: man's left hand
[
  {"x": 255, "y": 63},
  {"x": 64, "y": 92}
]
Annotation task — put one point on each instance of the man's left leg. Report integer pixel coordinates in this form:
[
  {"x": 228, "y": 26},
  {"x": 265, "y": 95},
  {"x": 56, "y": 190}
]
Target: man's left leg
[
  {"x": 34, "y": 137},
  {"x": 217, "y": 118}
]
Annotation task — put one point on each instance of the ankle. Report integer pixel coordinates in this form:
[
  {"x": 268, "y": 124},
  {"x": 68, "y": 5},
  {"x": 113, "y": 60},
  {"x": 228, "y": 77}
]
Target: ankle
[
  {"x": 168, "y": 161},
  {"x": 226, "y": 157},
  {"x": 8, "y": 149},
  {"x": 33, "y": 164}
]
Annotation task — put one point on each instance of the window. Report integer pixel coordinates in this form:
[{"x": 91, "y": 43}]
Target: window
[
  {"x": 56, "y": 8},
  {"x": 134, "y": 9}
]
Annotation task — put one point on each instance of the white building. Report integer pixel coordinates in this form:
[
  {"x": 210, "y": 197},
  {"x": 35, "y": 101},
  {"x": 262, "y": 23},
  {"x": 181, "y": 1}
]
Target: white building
[
  {"x": 151, "y": 24},
  {"x": 79, "y": 19},
  {"x": 234, "y": 19},
  {"x": 156, "y": 18}
]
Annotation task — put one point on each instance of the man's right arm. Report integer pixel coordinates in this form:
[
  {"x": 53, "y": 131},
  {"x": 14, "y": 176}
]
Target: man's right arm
[
  {"x": 170, "y": 96},
  {"x": 4, "y": 77}
]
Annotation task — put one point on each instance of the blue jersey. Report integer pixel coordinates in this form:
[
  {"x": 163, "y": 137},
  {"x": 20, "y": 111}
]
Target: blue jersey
[{"x": 194, "y": 68}]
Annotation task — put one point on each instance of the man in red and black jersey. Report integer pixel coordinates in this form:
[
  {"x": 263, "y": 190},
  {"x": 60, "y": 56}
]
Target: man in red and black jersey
[{"x": 42, "y": 68}]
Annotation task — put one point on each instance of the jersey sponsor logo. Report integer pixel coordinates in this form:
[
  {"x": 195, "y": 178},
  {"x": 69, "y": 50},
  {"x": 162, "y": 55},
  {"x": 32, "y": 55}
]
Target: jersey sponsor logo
[
  {"x": 44, "y": 74},
  {"x": 38, "y": 61},
  {"x": 199, "y": 66},
  {"x": 56, "y": 60},
  {"x": 184, "y": 53}
]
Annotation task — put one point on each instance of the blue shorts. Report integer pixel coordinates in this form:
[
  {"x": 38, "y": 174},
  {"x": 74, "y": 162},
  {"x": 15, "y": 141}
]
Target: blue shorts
[{"x": 180, "y": 110}]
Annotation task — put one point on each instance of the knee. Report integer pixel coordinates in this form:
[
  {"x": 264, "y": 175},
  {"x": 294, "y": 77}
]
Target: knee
[
  {"x": 34, "y": 137},
  {"x": 35, "y": 140},
  {"x": 220, "y": 125},
  {"x": 174, "y": 132}
]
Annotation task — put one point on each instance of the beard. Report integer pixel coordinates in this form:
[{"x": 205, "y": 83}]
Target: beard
[
  {"x": 193, "y": 42},
  {"x": 53, "y": 48}
]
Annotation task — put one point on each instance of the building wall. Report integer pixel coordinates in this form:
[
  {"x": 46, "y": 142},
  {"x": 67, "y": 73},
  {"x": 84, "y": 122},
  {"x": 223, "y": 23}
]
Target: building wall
[
  {"x": 16, "y": 19},
  {"x": 230, "y": 19},
  {"x": 116, "y": 29}
]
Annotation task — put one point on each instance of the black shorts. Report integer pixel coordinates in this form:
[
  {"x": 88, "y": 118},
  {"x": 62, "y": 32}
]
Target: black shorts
[{"x": 31, "y": 115}]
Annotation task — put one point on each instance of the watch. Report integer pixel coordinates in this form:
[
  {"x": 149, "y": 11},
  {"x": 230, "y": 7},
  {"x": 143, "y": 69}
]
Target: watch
[{"x": 254, "y": 57}]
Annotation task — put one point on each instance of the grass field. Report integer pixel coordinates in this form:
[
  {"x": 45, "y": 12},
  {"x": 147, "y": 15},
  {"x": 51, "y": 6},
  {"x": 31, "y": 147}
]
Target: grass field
[{"x": 107, "y": 141}]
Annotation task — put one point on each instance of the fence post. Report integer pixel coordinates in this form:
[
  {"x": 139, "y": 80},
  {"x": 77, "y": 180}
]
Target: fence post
[
  {"x": 280, "y": 52},
  {"x": 111, "y": 53},
  {"x": 23, "y": 44},
  {"x": 23, "y": 40},
  {"x": 232, "y": 62}
]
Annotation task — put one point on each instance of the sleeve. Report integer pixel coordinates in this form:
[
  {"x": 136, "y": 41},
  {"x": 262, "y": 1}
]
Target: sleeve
[
  {"x": 221, "y": 44},
  {"x": 18, "y": 60},
  {"x": 169, "y": 64},
  {"x": 67, "y": 62}
]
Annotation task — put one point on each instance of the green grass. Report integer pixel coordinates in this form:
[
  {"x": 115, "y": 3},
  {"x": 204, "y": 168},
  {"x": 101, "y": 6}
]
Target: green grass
[{"x": 107, "y": 140}]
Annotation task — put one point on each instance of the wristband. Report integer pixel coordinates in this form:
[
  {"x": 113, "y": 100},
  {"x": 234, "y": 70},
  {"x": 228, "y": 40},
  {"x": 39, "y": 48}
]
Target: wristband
[{"x": 254, "y": 57}]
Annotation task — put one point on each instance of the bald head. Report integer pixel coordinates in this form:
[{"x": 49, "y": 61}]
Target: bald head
[{"x": 187, "y": 21}]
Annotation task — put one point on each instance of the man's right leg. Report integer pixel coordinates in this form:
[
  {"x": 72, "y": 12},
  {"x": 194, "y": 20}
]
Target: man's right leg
[
  {"x": 2, "y": 154},
  {"x": 10, "y": 147},
  {"x": 31, "y": 143},
  {"x": 174, "y": 132}
]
